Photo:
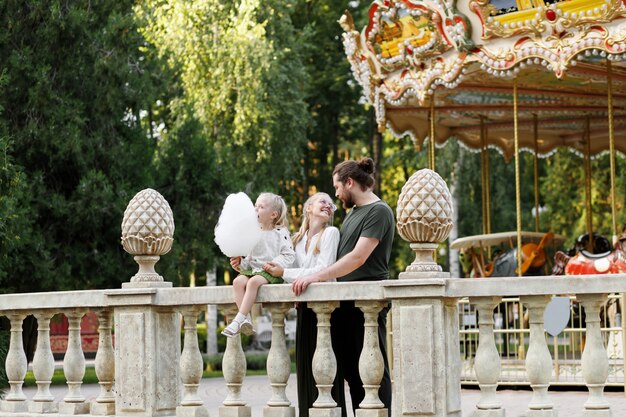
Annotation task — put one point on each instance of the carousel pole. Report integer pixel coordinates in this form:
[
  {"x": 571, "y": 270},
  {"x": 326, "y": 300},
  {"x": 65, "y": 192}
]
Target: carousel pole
[
  {"x": 587, "y": 169},
  {"x": 431, "y": 144},
  {"x": 518, "y": 205},
  {"x": 609, "y": 73},
  {"x": 483, "y": 176},
  {"x": 521, "y": 351},
  {"x": 484, "y": 167},
  {"x": 536, "y": 173},
  {"x": 609, "y": 77},
  {"x": 487, "y": 192}
]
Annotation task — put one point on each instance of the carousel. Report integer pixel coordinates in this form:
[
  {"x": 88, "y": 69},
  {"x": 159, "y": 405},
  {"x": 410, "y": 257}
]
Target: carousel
[
  {"x": 511, "y": 75},
  {"x": 526, "y": 75}
]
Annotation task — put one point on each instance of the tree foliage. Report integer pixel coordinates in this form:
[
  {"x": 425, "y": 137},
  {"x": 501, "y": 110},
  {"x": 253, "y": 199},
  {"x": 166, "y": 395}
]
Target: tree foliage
[
  {"x": 75, "y": 81},
  {"x": 240, "y": 68}
]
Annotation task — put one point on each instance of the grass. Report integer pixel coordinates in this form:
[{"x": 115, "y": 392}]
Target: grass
[
  {"x": 59, "y": 378},
  {"x": 90, "y": 376}
]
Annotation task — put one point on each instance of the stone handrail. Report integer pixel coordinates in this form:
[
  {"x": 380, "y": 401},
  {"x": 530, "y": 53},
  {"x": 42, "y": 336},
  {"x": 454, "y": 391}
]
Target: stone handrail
[
  {"x": 374, "y": 290},
  {"x": 425, "y": 346}
]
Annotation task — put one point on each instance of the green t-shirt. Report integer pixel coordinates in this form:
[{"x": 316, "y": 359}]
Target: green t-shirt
[{"x": 373, "y": 220}]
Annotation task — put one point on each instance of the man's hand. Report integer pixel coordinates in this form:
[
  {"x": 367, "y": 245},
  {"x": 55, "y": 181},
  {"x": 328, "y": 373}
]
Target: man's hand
[
  {"x": 235, "y": 261},
  {"x": 300, "y": 285},
  {"x": 274, "y": 269}
]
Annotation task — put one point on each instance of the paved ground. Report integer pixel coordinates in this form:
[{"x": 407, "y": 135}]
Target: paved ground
[{"x": 257, "y": 391}]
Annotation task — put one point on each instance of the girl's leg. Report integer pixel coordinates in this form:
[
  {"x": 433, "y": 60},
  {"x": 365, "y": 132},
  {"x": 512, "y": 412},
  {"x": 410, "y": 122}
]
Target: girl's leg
[
  {"x": 247, "y": 289},
  {"x": 239, "y": 286},
  {"x": 252, "y": 288}
]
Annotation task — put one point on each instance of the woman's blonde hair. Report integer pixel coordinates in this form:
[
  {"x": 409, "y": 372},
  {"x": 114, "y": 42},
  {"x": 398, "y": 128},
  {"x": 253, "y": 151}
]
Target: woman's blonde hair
[
  {"x": 304, "y": 227},
  {"x": 277, "y": 204}
]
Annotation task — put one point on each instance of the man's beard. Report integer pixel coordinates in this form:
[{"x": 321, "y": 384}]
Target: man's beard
[{"x": 348, "y": 203}]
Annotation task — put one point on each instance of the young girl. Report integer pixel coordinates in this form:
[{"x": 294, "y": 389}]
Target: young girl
[
  {"x": 274, "y": 246},
  {"x": 316, "y": 248}
]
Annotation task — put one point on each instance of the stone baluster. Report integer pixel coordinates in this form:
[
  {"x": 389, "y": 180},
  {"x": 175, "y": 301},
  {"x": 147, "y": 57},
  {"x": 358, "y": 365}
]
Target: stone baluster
[
  {"x": 595, "y": 361},
  {"x": 15, "y": 400},
  {"x": 105, "y": 367},
  {"x": 43, "y": 367},
  {"x": 234, "y": 369},
  {"x": 538, "y": 358},
  {"x": 74, "y": 368},
  {"x": 324, "y": 363},
  {"x": 278, "y": 365},
  {"x": 191, "y": 367},
  {"x": 371, "y": 364},
  {"x": 487, "y": 361}
]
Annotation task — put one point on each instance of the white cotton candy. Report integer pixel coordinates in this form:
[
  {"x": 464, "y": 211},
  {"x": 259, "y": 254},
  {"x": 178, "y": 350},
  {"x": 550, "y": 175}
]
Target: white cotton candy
[{"x": 238, "y": 229}]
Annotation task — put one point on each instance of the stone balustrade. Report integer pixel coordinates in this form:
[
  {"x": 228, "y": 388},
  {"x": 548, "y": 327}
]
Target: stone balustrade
[{"x": 148, "y": 374}]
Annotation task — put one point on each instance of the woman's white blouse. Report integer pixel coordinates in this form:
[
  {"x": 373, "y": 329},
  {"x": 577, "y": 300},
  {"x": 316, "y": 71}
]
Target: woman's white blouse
[{"x": 307, "y": 263}]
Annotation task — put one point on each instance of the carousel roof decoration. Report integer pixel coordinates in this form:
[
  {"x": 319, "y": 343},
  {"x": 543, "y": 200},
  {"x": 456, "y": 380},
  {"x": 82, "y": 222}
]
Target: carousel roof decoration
[{"x": 463, "y": 56}]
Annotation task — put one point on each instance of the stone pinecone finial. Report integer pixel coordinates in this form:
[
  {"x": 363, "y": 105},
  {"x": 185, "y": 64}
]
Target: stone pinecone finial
[
  {"x": 424, "y": 210},
  {"x": 148, "y": 225},
  {"x": 147, "y": 233}
]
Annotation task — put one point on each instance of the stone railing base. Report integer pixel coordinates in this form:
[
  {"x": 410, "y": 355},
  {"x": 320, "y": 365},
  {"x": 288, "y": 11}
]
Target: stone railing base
[
  {"x": 103, "y": 409},
  {"x": 279, "y": 411},
  {"x": 372, "y": 412},
  {"x": 325, "y": 412},
  {"x": 235, "y": 411},
  {"x": 43, "y": 407},
  {"x": 494, "y": 412}
]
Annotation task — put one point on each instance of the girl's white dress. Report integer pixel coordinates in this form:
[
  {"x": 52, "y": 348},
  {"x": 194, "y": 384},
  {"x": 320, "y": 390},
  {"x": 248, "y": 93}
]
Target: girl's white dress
[
  {"x": 308, "y": 262},
  {"x": 274, "y": 245}
]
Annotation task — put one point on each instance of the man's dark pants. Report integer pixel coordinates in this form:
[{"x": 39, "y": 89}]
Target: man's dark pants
[{"x": 347, "y": 330}]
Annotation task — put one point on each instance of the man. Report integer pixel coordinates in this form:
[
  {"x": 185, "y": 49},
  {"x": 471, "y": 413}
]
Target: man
[{"x": 363, "y": 255}]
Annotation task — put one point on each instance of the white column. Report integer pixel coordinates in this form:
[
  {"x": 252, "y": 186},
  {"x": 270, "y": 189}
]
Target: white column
[
  {"x": 105, "y": 367},
  {"x": 234, "y": 369},
  {"x": 15, "y": 400},
  {"x": 595, "y": 362},
  {"x": 487, "y": 361},
  {"x": 278, "y": 365},
  {"x": 191, "y": 367},
  {"x": 371, "y": 364},
  {"x": 147, "y": 352},
  {"x": 426, "y": 360},
  {"x": 74, "y": 367},
  {"x": 538, "y": 359},
  {"x": 324, "y": 363},
  {"x": 43, "y": 367}
]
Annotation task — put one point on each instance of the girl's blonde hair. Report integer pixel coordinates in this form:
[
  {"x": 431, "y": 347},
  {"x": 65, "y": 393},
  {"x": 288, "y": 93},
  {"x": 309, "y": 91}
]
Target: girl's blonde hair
[
  {"x": 304, "y": 228},
  {"x": 277, "y": 204}
]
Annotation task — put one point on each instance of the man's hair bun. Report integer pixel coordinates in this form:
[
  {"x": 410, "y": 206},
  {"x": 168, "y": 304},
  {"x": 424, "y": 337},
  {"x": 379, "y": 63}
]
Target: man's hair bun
[{"x": 367, "y": 165}]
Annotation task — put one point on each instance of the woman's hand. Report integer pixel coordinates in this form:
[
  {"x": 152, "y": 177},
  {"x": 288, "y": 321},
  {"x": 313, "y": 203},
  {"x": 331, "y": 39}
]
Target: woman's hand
[
  {"x": 274, "y": 269},
  {"x": 235, "y": 261},
  {"x": 300, "y": 285}
]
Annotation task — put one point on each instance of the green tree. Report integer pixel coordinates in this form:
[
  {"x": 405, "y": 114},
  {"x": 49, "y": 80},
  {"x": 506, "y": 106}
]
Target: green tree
[
  {"x": 240, "y": 69},
  {"x": 77, "y": 83},
  {"x": 340, "y": 126},
  {"x": 563, "y": 188},
  {"x": 190, "y": 175}
]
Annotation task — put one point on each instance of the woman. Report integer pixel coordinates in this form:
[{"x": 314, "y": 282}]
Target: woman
[{"x": 316, "y": 248}]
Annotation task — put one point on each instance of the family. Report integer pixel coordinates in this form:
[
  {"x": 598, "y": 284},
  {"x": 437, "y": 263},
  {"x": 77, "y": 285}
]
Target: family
[{"x": 359, "y": 252}]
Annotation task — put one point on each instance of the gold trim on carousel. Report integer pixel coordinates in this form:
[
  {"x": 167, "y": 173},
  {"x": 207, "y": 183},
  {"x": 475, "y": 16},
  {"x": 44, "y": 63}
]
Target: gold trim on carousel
[
  {"x": 420, "y": 84},
  {"x": 556, "y": 52},
  {"x": 564, "y": 15}
]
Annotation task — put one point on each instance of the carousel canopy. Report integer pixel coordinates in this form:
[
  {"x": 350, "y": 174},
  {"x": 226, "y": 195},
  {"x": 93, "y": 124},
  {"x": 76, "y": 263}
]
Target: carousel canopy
[{"x": 463, "y": 57}]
